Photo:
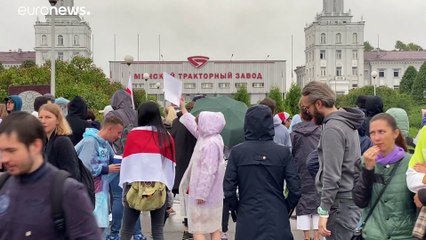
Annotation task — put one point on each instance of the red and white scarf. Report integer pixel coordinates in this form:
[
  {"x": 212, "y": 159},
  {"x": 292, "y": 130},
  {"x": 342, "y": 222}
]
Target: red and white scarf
[{"x": 143, "y": 161}]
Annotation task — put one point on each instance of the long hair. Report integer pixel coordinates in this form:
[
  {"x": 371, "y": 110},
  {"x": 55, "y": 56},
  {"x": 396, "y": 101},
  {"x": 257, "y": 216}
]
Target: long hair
[
  {"x": 149, "y": 115},
  {"x": 63, "y": 128},
  {"x": 170, "y": 115},
  {"x": 3, "y": 111},
  {"x": 400, "y": 140}
]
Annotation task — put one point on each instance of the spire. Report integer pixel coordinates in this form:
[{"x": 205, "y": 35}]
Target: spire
[{"x": 332, "y": 6}]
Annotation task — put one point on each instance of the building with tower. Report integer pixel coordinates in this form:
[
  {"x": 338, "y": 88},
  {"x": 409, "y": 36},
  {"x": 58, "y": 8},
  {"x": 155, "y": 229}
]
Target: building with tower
[
  {"x": 334, "y": 49},
  {"x": 72, "y": 34}
]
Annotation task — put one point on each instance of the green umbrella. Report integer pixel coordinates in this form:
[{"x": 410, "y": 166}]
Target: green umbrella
[{"x": 234, "y": 112}]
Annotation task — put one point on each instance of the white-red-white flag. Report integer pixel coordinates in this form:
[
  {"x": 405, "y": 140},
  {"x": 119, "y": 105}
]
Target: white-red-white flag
[{"x": 129, "y": 90}]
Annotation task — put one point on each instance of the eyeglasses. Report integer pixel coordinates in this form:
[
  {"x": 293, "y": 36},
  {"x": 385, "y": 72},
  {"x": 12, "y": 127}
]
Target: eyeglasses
[{"x": 306, "y": 108}]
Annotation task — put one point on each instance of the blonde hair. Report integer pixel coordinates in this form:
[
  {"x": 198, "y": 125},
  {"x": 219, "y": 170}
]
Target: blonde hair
[
  {"x": 63, "y": 128},
  {"x": 3, "y": 111},
  {"x": 170, "y": 115}
]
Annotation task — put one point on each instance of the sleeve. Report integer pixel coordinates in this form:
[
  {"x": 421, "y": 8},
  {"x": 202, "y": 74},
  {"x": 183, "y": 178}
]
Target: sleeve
[
  {"x": 188, "y": 120},
  {"x": 415, "y": 179},
  {"x": 66, "y": 155},
  {"x": 78, "y": 212},
  {"x": 312, "y": 163},
  {"x": 230, "y": 182},
  {"x": 87, "y": 152},
  {"x": 287, "y": 139},
  {"x": 363, "y": 185},
  {"x": 293, "y": 182},
  {"x": 333, "y": 145},
  {"x": 209, "y": 165}
]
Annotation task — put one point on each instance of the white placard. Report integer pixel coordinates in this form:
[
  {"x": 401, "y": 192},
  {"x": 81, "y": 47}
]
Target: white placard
[{"x": 172, "y": 89}]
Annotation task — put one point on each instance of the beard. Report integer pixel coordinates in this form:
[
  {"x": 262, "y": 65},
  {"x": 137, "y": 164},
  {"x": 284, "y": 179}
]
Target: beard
[{"x": 318, "y": 118}]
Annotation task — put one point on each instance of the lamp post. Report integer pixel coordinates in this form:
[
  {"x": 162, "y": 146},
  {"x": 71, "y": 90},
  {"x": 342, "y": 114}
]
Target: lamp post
[
  {"x": 52, "y": 51},
  {"x": 374, "y": 76},
  {"x": 158, "y": 85},
  {"x": 146, "y": 78}
]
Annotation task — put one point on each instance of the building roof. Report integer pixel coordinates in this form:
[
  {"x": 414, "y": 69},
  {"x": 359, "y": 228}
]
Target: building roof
[
  {"x": 380, "y": 55},
  {"x": 16, "y": 57}
]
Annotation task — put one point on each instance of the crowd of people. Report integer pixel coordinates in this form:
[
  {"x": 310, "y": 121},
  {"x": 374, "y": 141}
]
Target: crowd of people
[{"x": 348, "y": 173}]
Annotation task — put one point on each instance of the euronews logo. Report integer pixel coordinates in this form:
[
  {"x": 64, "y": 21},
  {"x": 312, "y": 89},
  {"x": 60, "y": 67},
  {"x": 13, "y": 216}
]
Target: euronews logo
[{"x": 45, "y": 10}]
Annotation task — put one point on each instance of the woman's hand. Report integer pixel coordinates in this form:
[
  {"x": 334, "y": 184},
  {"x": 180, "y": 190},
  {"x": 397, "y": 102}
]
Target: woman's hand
[
  {"x": 370, "y": 157},
  {"x": 182, "y": 105},
  {"x": 420, "y": 167},
  {"x": 417, "y": 201}
]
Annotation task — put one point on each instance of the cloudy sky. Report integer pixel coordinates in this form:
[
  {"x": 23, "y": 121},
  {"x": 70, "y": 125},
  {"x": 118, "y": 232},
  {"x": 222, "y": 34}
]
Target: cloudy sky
[{"x": 248, "y": 29}]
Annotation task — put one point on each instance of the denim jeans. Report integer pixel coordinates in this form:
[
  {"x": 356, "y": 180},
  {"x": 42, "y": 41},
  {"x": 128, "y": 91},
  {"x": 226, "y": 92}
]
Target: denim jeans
[
  {"x": 131, "y": 215},
  {"x": 117, "y": 208},
  {"x": 343, "y": 219}
]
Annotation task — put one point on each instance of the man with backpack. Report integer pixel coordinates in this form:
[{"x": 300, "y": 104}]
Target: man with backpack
[
  {"x": 96, "y": 153},
  {"x": 37, "y": 200}
]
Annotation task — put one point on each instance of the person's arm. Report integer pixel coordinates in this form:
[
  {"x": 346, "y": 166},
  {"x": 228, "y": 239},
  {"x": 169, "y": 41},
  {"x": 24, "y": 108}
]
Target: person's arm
[
  {"x": 417, "y": 179},
  {"x": 230, "y": 183},
  {"x": 333, "y": 146},
  {"x": 78, "y": 212},
  {"x": 287, "y": 139},
  {"x": 87, "y": 152},
  {"x": 363, "y": 185},
  {"x": 293, "y": 181},
  {"x": 209, "y": 166},
  {"x": 312, "y": 163},
  {"x": 188, "y": 120},
  {"x": 66, "y": 156}
]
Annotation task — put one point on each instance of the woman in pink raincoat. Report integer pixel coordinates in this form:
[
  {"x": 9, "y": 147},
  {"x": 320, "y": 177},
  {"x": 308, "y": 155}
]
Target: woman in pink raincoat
[{"x": 202, "y": 183}]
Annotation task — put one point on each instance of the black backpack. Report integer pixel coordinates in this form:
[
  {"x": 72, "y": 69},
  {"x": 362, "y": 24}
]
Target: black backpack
[
  {"x": 87, "y": 180},
  {"x": 55, "y": 199}
]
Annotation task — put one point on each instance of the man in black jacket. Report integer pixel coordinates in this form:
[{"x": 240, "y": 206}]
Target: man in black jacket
[
  {"x": 25, "y": 197},
  {"x": 258, "y": 168}
]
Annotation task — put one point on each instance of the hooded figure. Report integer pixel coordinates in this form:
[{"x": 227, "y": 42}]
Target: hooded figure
[
  {"x": 281, "y": 135},
  {"x": 373, "y": 106},
  {"x": 122, "y": 104},
  {"x": 14, "y": 100},
  {"x": 77, "y": 112},
  {"x": 63, "y": 104},
  {"x": 305, "y": 138},
  {"x": 203, "y": 179},
  {"x": 258, "y": 168}
]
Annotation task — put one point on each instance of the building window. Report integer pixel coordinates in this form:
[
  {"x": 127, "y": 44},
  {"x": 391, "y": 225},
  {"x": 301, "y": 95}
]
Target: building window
[
  {"x": 339, "y": 71},
  {"x": 355, "y": 54},
  {"x": 395, "y": 87},
  {"x": 338, "y": 54},
  {"x": 355, "y": 71},
  {"x": 258, "y": 85},
  {"x": 189, "y": 85},
  {"x": 323, "y": 39},
  {"x": 239, "y": 85},
  {"x": 43, "y": 40},
  {"x": 323, "y": 72},
  {"x": 76, "y": 40},
  {"x": 61, "y": 56},
  {"x": 338, "y": 38},
  {"x": 60, "y": 40},
  {"x": 207, "y": 85},
  {"x": 322, "y": 54},
  {"x": 396, "y": 73},
  {"x": 224, "y": 85},
  {"x": 382, "y": 73},
  {"x": 354, "y": 38}
]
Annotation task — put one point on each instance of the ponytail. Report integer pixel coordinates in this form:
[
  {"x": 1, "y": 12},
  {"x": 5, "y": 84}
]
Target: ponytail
[{"x": 400, "y": 141}]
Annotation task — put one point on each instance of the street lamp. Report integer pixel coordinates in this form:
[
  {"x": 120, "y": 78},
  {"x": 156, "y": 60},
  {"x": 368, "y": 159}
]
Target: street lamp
[
  {"x": 52, "y": 51},
  {"x": 374, "y": 76},
  {"x": 158, "y": 85},
  {"x": 146, "y": 78}
]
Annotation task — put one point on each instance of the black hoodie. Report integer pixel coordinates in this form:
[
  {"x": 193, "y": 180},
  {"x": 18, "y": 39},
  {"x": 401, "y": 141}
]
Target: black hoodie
[{"x": 77, "y": 112}]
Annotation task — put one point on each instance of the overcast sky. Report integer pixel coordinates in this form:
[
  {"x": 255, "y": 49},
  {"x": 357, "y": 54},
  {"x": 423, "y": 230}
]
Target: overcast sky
[{"x": 249, "y": 29}]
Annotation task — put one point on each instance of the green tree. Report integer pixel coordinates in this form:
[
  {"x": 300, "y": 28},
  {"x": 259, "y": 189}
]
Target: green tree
[
  {"x": 367, "y": 46},
  {"x": 1, "y": 67},
  {"x": 292, "y": 99},
  {"x": 139, "y": 96},
  {"x": 407, "y": 80},
  {"x": 277, "y": 96},
  {"x": 242, "y": 95},
  {"x": 400, "y": 46},
  {"x": 28, "y": 64},
  {"x": 419, "y": 85}
]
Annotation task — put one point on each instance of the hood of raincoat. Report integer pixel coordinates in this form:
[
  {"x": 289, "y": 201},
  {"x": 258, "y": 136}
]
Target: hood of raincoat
[{"x": 258, "y": 124}]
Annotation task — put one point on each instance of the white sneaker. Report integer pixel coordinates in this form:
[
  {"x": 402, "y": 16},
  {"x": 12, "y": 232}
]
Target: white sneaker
[{"x": 224, "y": 236}]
